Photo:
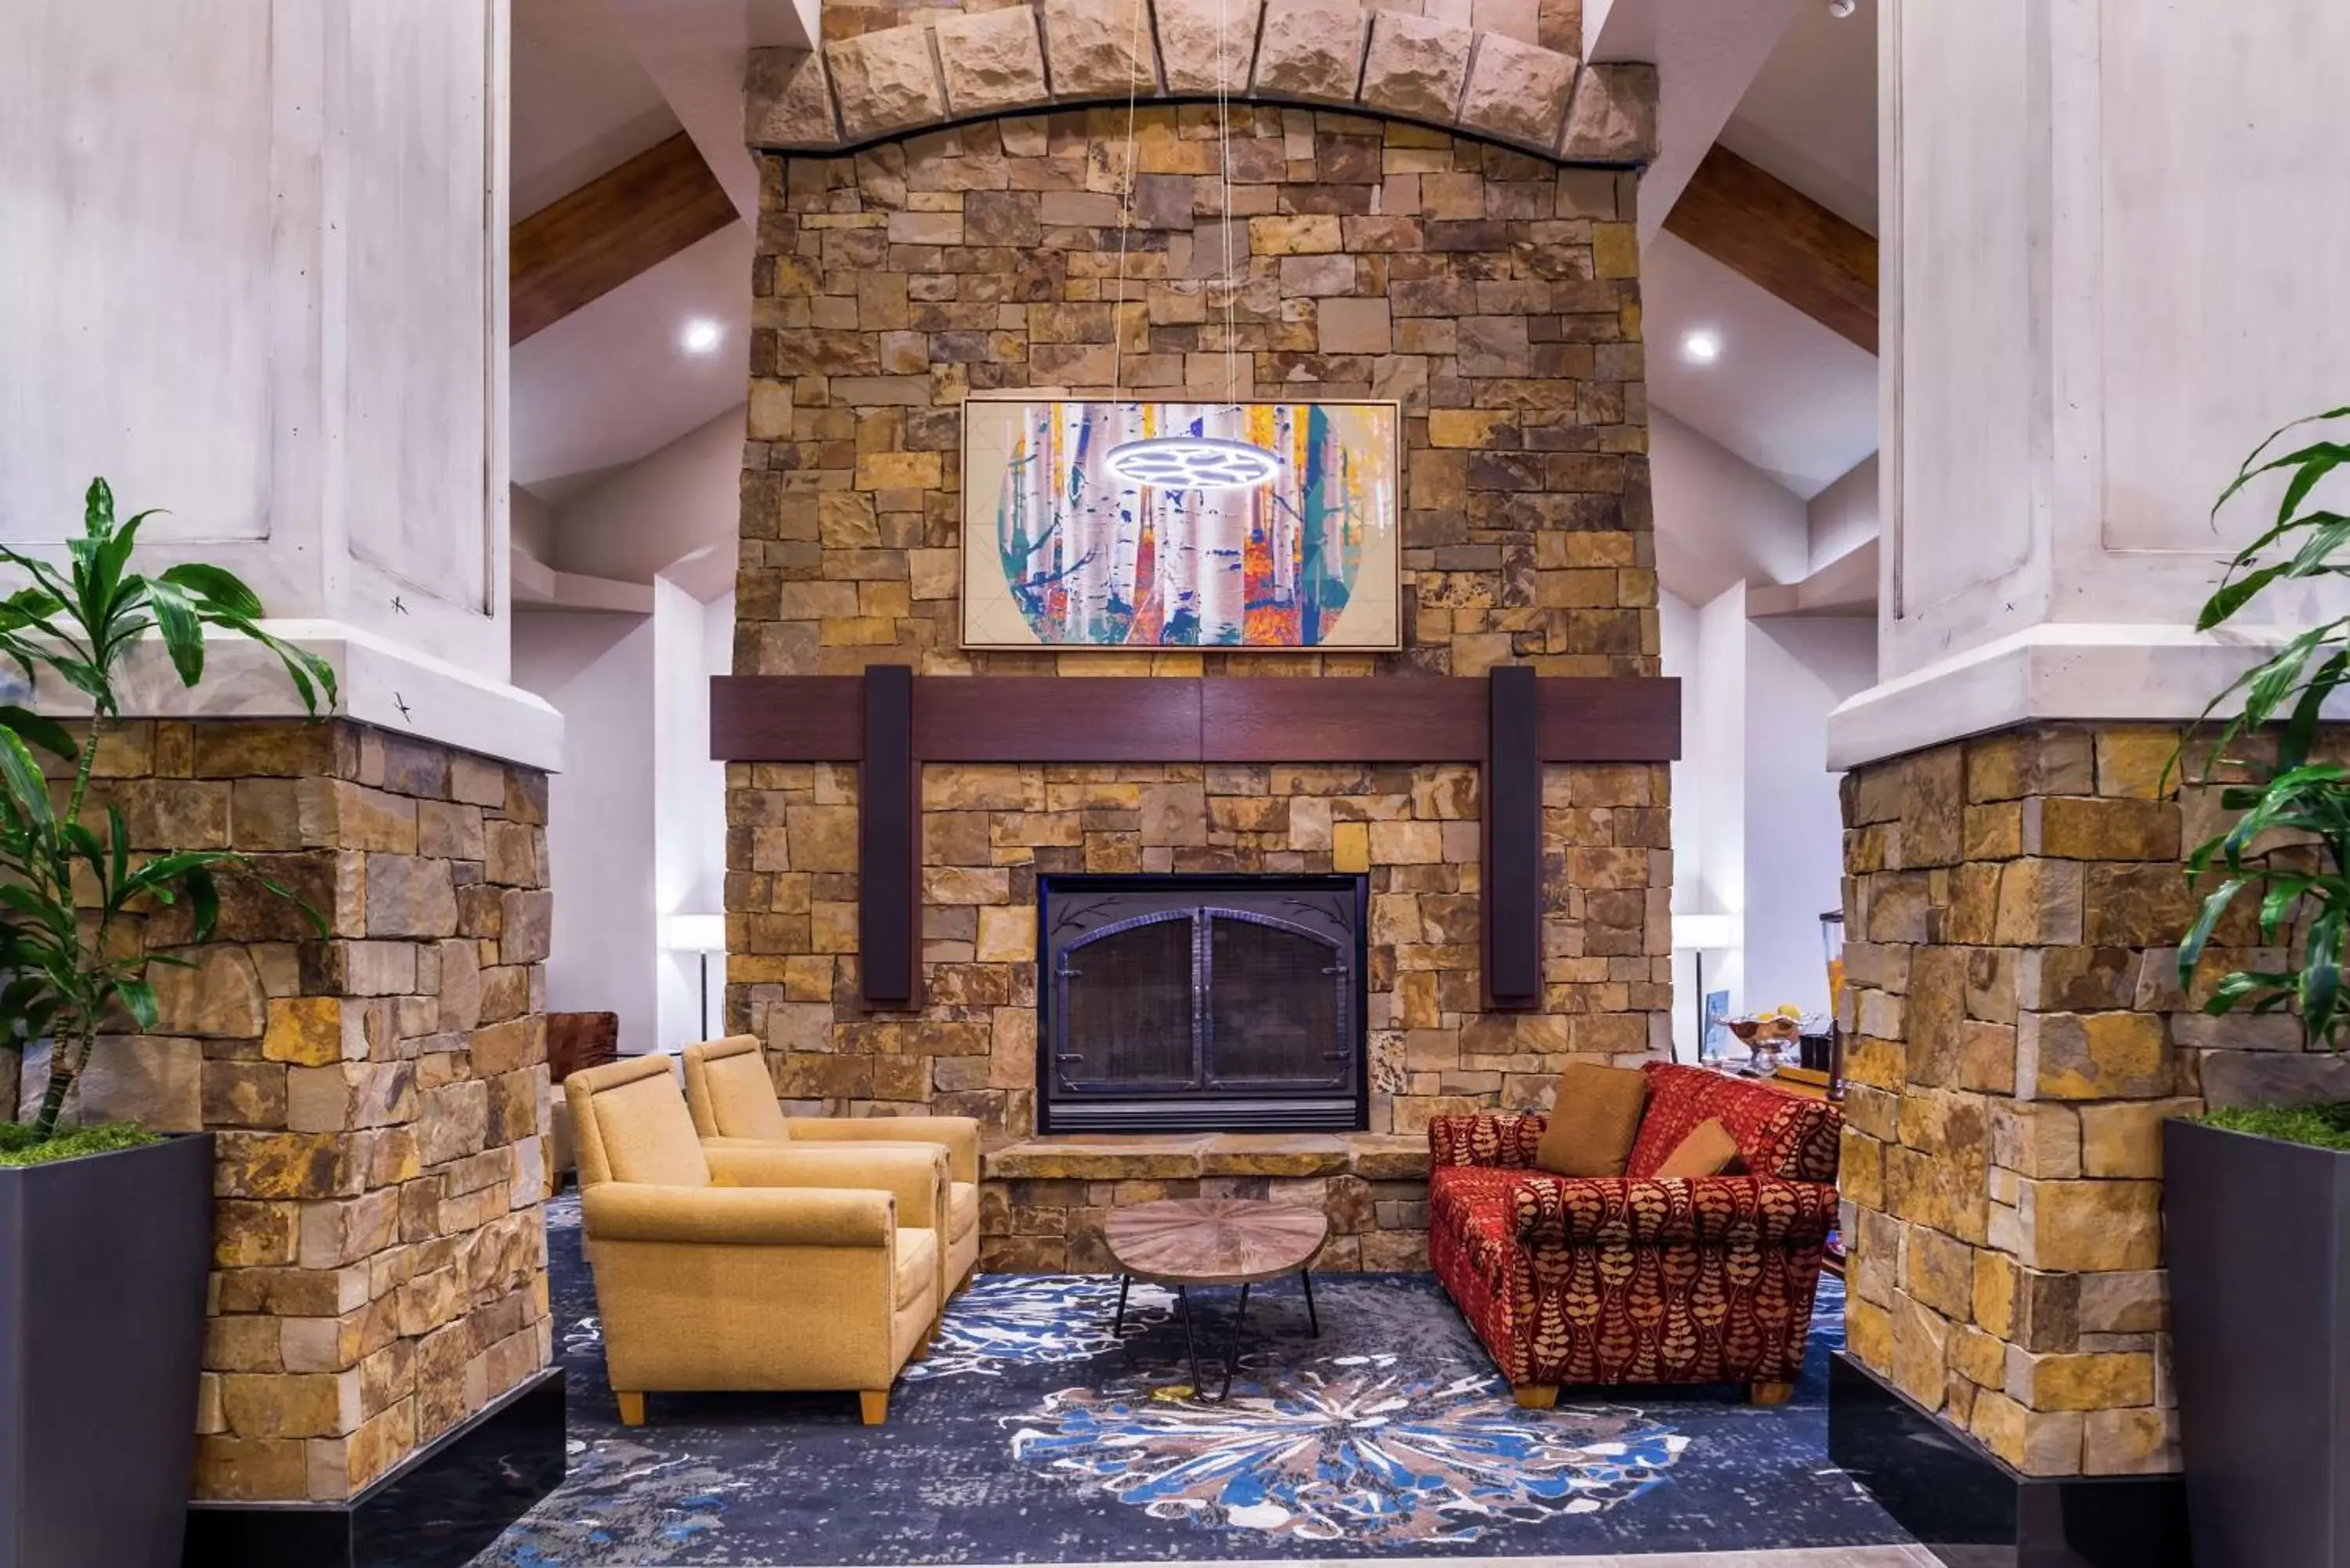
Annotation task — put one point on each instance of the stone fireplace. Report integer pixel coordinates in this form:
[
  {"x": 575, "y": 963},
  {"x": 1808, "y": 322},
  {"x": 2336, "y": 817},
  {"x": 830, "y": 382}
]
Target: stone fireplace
[
  {"x": 1487, "y": 283},
  {"x": 1208, "y": 1004}
]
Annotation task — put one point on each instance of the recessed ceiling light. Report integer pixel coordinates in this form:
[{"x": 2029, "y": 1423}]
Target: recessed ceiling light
[
  {"x": 1701, "y": 346},
  {"x": 701, "y": 336},
  {"x": 1842, "y": 8}
]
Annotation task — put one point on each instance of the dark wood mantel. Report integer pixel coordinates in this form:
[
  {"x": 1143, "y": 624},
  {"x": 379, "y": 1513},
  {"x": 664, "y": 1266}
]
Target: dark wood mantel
[{"x": 893, "y": 722}]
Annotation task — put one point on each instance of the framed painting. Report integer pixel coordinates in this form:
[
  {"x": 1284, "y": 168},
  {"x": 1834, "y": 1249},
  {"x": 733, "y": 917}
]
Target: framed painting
[{"x": 1259, "y": 527}]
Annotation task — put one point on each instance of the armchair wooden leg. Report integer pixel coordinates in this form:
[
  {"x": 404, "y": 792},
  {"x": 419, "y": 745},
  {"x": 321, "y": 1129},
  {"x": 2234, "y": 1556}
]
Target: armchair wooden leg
[
  {"x": 922, "y": 1345},
  {"x": 1536, "y": 1396},
  {"x": 1771, "y": 1393},
  {"x": 875, "y": 1404},
  {"x": 632, "y": 1408}
]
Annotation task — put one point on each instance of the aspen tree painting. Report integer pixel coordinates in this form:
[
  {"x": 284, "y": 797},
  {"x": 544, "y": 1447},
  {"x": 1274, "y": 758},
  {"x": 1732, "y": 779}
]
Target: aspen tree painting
[{"x": 1131, "y": 524}]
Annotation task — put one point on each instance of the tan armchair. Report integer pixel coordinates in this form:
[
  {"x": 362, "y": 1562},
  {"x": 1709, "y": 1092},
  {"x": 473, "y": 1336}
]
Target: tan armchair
[
  {"x": 726, "y": 1084},
  {"x": 749, "y": 1267}
]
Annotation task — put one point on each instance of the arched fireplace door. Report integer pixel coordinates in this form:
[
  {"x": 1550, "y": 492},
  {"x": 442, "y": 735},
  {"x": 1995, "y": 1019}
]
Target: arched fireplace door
[{"x": 1202, "y": 1003}]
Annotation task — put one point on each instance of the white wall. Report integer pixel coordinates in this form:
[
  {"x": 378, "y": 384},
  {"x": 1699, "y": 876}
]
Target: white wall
[
  {"x": 1676, "y": 624},
  {"x": 531, "y": 523},
  {"x": 599, "y": 671},
  {"x": 693, "y": 642},
  {"x": 1845, "y": 516},
  {"x": 671, "y": 502},
  {"x": 1796, "y": 671},
  {"x": 1719, "y": 519},
  {"x": 256, "y": 275},
  {"x": 1756, "y": 827},
  {"x": 1705, "y": 646}
]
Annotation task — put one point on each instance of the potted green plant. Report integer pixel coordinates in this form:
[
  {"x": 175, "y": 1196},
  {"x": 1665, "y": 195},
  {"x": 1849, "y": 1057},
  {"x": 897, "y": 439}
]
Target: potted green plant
[
  {"x": 2256, "y": 1199},
  {"x": 105, "y": 1229}
]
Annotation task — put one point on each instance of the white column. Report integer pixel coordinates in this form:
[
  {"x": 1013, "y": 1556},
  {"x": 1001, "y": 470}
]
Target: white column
[
  {"x": 256, "y": 258},
  {"x": 2109, "y": 241}
]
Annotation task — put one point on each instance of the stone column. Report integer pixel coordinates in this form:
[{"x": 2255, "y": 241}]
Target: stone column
[
  {"x": 2096, "y": 302},
  {"x": 380, "y": 1096},
  {"x": 259, "y": 278},
  {"x": 261, "y": 282}
]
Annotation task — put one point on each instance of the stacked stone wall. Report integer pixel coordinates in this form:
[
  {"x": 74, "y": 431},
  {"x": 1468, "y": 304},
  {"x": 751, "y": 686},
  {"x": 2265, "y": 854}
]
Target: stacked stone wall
[
  {"x": 2018, "y": 1035},
  {"x": 378, "y": 1095},
  {"x": 1492, "y": 292}
]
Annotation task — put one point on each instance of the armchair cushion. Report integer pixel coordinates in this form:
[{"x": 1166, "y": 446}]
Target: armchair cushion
[
  {"x": 1778, "y": 1134},
  {"x": 918, "y": 1264},
  {"x": 727, "y": 1086},
  {"x": 1655, "y": 1211},
  {"x": 632, "y": 1124},
  {"x": 914, "y": 1174},
  {"x": 1503, "y": 1140},
  {"x": 958, "y": 1134},
  {"x": 963, "y": 1208},
  {"x": 1593, "y": 1121},
  {"x": 1708, "y": 1150},
  {"x": 736, "y": 1216}
]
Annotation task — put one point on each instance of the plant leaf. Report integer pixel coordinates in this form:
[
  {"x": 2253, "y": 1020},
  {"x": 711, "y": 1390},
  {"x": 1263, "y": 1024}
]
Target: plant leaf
[
  {"x": 23, "y": 776},
  {"x": 215, "y": 589},
  {"x": 2233, "y": 595},
  {"x": 98, "y": 507},
  {"x": 2199, "y": 935},
  {"x": 184, "y": 634},
  {"x": 46, "y": 733},
  {"x": 140, "y": 998},
  {"x": 203, "y": 903}
]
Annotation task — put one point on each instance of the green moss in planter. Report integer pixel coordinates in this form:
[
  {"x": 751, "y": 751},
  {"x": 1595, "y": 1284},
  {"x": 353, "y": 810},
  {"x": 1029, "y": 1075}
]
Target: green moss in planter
[
  {"x": 18, "y": 1145},
  {"x": 2324, "y": 1124}
]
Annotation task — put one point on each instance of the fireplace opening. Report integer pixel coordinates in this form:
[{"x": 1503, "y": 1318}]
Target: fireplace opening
[{"x": 1202, "y": 1003}]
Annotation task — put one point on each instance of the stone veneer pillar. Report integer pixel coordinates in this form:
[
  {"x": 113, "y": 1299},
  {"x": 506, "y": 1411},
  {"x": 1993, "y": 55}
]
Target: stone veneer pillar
[
  {"x": 319, "y": 400},
  {"x": 379, "y": 1097},
  {"x": 2015, "y": 1036},
  {"x": 2062, "y": 402}
]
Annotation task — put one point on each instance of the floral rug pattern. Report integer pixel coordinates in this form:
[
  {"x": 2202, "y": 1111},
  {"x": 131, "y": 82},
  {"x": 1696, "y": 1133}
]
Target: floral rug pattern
[
  {"x": 1032, "y": 1434},
  {"x": 1346, "y": 1448}
]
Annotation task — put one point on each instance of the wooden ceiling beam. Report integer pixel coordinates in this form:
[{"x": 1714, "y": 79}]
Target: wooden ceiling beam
[
  {"x": 625, "y": 222},
  {"x": 1759, "y": 225}
]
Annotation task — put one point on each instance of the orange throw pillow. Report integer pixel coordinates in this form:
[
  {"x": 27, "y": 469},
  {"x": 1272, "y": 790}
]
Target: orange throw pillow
[
  {"x": 1708, "y": 1150},
  {"x": 1595, "y": 1121}
]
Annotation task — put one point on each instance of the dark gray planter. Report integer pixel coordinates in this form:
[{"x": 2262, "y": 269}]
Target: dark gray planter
[
  {"x": 103, "y": 1265},
  {"x": 2258, "y": 1235}
]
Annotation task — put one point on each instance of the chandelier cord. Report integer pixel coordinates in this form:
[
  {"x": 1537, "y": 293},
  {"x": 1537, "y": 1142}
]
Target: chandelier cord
[
  {"x": 1126, "y": 209},
  {"x": 1224, "y": 166}
]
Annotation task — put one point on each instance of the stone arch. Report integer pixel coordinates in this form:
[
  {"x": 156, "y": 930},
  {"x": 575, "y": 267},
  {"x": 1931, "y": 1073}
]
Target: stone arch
[{"x": 1025, "y": 58}]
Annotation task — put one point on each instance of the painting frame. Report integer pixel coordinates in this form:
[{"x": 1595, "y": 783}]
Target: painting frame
[{"x": 997, "y": 613}]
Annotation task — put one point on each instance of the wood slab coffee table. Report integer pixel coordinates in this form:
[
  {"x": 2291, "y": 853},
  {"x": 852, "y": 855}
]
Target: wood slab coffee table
[{"x": 1185, "y": 1241}]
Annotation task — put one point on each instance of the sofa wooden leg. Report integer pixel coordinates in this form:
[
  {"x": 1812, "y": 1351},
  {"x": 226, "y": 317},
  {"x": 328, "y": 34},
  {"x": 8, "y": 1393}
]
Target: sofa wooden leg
[
  {"x": 632, "y": 1408},
  {"x": 1536, "y": 1396},
  {"x": 1771, "y": 1393},
  {"x": 875, "y": 1403}
]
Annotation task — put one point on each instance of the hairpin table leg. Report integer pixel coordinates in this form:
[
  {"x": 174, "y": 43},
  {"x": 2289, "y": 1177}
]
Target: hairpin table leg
[
  {"x": 1232, "y": 1355},
  {"x": 1118, "y": 1323},
  {"x": 1313, "y": 1319}
]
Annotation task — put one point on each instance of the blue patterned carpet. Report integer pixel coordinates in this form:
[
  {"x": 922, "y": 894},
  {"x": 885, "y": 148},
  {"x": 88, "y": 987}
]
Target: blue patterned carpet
[{"x": 1030, "y": 1435}]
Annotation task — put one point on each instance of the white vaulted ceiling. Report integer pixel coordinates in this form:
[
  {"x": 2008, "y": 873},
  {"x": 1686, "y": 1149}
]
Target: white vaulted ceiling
[
  {"x": 581, "y": 103},
  {"x": 1787, "y": 394},
  {"x": 611, "y": 381}
]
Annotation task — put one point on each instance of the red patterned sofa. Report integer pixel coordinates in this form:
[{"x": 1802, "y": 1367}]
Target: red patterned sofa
[{"x": 1638, "y": 1278}]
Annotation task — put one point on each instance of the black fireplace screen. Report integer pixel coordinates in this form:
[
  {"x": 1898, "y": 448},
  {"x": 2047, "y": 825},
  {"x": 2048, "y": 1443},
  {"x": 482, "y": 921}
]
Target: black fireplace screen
[{"x": 1201, "y": 1002}]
